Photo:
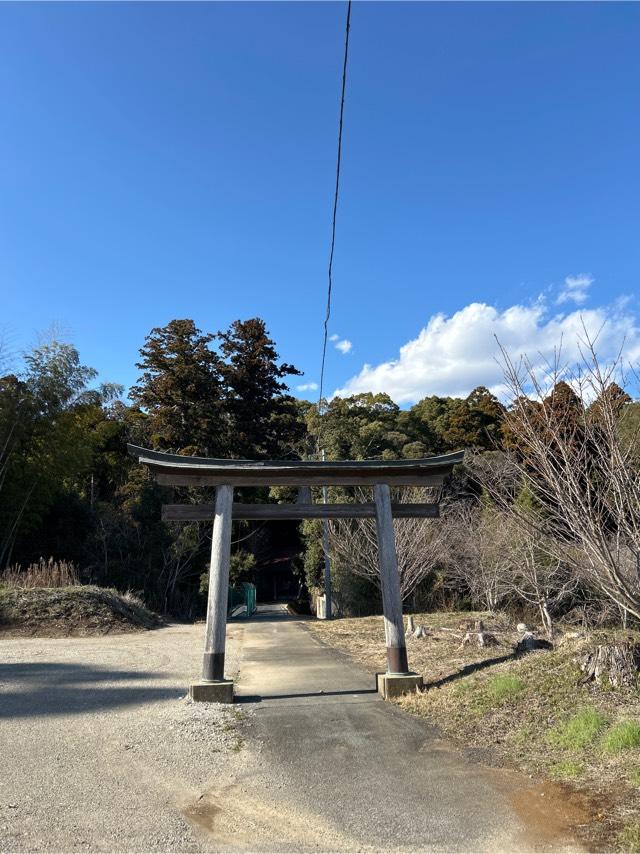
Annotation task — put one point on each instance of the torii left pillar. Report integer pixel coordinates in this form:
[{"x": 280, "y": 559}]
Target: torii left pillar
[{"x": 213, "y": 687}]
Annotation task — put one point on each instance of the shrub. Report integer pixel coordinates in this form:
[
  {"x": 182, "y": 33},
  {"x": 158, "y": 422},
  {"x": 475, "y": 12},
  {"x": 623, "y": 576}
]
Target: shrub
[
  {"x": 504, "y": 687},
  {"x": 579, "y": 731},
  {"x": 622, "y": 736}
]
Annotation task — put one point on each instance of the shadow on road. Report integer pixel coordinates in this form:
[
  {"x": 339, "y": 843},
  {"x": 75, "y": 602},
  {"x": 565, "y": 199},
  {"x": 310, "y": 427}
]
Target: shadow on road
[
  {"x": 258, "y": 698},
  {"x": 271, "y": 612},
  {"x": 51, "y": 688}
]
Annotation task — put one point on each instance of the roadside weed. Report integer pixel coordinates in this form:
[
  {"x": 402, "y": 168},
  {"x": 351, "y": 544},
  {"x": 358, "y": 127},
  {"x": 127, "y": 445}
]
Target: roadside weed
[
  {"x": 579, "y": 731},
  {"x": 522, "y": 736},
  {"x": 504, "y": 687},
  {"x": 622, "y": 736},
  {"x": 465, "y": 687},
  {"x": 567, "y": 770}
]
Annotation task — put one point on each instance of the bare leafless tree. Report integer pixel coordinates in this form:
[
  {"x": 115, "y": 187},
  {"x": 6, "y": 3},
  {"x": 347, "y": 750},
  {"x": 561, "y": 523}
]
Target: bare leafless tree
[
  {"x": 537, "y": 575},
  {"x": 582, "y": 469},
  {"x": 479, "y": 553},
  {"x": 495, "y": 558},
  {"x": 419, "y": 544}
]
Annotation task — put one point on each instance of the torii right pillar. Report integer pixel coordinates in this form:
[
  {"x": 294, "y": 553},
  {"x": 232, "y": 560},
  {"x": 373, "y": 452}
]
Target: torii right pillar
[{"x": 398, "y": 679}]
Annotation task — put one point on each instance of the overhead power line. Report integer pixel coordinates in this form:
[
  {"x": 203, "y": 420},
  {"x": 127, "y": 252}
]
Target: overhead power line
[{"x": 335, "y": 207}]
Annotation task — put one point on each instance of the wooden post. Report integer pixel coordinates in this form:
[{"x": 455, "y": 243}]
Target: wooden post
[
  {"x": 304, "y": 495},
  {"x": 216, "y": 630},
  {"x": 390, "y": 582},
  {"x": 327, "y": 560}
]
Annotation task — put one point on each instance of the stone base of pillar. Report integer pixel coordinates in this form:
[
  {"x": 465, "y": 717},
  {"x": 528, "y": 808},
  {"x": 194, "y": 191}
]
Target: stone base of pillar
[
  {"x": 391, "y": 685},
  {"x": 220, "y": 691}
]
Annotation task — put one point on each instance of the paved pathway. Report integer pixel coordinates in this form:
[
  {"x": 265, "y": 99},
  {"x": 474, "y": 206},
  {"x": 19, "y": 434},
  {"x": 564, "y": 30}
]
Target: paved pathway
[{"x": 340, "y": 769}]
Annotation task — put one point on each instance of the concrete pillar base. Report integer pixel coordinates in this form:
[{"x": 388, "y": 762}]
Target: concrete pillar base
[
  {"x": 220, "y": 691},
  {"x": 391, "y": 685}
]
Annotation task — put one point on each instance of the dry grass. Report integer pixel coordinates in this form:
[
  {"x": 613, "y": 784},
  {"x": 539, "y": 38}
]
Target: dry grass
[
  {"x": 629, "y": 838},
  {"x": 527, "y": 711},
  {"x": 44, "y": 573},
  {"x": 438, "y": 656},
  {"x": 47, "y": 600}
]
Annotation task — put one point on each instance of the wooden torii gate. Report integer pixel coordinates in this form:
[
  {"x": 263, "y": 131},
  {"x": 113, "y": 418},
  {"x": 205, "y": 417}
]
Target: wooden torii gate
[{"x": 224, "y": 475}]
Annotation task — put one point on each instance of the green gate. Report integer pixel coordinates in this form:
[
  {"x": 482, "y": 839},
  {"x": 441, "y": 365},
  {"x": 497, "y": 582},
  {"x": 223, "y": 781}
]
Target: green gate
[{"x": 242, "y": 596}]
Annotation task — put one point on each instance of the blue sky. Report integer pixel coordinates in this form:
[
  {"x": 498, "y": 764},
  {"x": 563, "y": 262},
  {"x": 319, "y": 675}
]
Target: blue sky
[{"x": 177, "y": 160}]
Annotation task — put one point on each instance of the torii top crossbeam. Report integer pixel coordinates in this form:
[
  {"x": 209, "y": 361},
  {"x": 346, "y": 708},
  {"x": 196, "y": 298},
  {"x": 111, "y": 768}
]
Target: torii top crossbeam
[{"x": 177, "y": 470}]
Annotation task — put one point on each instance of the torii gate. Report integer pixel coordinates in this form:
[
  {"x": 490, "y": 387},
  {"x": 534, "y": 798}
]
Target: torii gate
[{"x": 176, "y": 470}]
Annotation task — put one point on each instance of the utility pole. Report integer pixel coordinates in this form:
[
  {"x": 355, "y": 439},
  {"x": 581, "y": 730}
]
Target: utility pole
[{"x": 327, "y": 560}]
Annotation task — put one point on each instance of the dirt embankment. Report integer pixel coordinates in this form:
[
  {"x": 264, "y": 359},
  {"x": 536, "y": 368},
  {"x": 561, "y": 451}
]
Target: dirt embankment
[{"x": 71, "y": 611}]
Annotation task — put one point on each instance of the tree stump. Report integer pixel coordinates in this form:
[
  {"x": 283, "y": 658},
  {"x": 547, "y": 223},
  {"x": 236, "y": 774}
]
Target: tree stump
[
  {"x": 612, "y": 664},
  {"x": 479, "y": 637}
]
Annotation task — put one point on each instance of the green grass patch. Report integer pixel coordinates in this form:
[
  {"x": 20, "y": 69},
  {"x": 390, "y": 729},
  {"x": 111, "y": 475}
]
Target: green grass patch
[
  {"x": 503, "y": 688},
  {"x": 579, "y": 731},
  {"x": 622, "y": 736},
  {"x": 566, "y": 770},
  {"x": 629, "y": 838}
]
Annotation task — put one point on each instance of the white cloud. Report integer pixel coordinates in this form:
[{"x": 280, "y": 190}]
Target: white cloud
[
  {"x": 575, "y": 289},
  {"x": 452, "y": 355},
  {"x": 307, "y": 387},
  {"x": 342, "y": 344}
]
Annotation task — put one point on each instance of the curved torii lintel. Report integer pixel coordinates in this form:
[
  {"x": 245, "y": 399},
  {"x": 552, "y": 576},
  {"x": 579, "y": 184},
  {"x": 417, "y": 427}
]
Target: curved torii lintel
[{"x": 178, "y": 470}]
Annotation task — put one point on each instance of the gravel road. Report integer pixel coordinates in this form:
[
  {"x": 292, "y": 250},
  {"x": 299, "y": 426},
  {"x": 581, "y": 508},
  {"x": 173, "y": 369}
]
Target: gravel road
[{"x": 100, "y": 747}]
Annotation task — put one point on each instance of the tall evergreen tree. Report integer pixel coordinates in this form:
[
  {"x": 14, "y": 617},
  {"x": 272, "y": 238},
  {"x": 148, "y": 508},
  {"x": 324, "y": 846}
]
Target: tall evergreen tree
[
  {"x": 180, "y": 390},
  {"x": 474, "y": 422},
  {"x": 363, "y": 426},
  {"x": 262, "y": 418},
  {"x": 612, "y": 401}
]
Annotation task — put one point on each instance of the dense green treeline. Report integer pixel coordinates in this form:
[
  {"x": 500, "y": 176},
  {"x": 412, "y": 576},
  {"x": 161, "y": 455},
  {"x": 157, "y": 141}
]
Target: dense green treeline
[{"x": 68, "y": 488}]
